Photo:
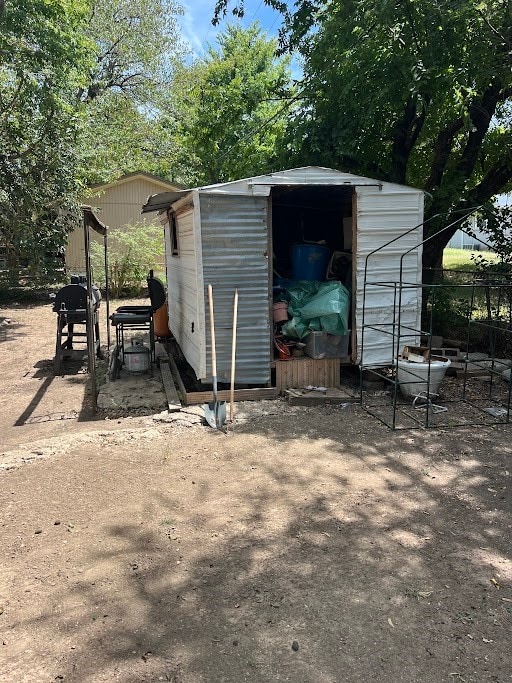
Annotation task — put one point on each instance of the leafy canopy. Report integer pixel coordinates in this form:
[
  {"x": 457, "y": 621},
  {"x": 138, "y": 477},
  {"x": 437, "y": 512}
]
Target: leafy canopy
[
  {"x": 412, "y": 91},
  {"x": 234, "y": 109},
  {"x": 44, "y": 58},
  {"x": 129, "y": 120}
]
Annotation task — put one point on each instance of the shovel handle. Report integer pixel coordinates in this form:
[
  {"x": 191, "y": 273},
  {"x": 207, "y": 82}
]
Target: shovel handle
[
  {"x": 233, "y": 359},
  {"x": 212, "y": 332}
]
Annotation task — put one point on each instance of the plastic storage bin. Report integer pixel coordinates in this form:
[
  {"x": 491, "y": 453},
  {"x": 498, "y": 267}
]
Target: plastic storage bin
[
  {"x": 324, "y": 345},
  {"x": 310, "y": 261}
]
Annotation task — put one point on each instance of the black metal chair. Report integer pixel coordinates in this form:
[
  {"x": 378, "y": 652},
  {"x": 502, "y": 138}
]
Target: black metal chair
[
  {"x": 70, "y": 304},
  {"x": 133, "y": 318}
]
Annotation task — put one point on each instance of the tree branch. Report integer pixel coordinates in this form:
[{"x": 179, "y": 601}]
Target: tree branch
[
  {"x": 407, "y": 130},
  {"x": 492, "y": 183},
  {"x": 481, "y": 114},
  {"x": 442, "y": 150},
  {"x": 8, "y": 107},
  {"x": 493, "y": 29}
]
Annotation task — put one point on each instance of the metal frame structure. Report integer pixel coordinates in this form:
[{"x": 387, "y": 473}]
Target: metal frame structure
[
  {"x": 90, "y": 220},
  {"x": 493, "y": 405}
]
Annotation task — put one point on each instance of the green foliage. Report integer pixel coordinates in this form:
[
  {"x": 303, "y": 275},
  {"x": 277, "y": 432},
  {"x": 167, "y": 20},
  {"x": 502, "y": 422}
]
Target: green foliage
[
  {"x": 416, "y": 92},
  {"x": 497, "y": 224},
  {"x": 132, "y": 252},
  {"x": 81, "y": 87},
  {"x": 118, "y": 137},
  {"x": 129, "y": 122},
  {"x": 235, "y": 105},
  {"x": 43, "y": 60},
  {"x": 137, "y": 46}
]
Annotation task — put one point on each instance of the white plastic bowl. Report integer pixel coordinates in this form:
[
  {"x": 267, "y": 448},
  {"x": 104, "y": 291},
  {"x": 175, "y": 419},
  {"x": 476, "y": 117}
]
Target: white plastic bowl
[{"x": 414, "y": 378}]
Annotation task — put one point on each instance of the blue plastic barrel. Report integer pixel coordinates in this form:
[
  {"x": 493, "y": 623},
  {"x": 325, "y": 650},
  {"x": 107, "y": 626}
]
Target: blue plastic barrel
[{"x": 310, "y": 261}]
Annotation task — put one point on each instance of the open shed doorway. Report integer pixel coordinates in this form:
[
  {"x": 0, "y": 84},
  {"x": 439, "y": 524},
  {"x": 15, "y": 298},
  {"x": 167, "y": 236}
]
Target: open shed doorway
[
  {"x": 319, "y": 214},
  {"x": 316, "y": 214}
]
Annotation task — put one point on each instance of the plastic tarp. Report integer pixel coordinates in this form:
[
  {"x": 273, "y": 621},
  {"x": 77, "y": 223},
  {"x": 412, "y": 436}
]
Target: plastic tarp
[{"x": 317, "y": 306}]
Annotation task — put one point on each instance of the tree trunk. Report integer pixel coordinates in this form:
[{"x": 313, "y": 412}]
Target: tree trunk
[
  {"x": 13, "y": 266},
  {"x": 433, "y": 260}
]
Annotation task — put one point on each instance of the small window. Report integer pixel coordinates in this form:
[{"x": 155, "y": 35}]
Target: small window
[{"x": 173, "y": 227}]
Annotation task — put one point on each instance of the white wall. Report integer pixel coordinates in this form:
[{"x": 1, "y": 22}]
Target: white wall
[{"x": 185, "y": 309}]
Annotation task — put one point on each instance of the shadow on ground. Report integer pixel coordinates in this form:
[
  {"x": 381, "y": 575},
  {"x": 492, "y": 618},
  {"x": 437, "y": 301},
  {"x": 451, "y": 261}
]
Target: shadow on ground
[{"x": 376, "y": 555}]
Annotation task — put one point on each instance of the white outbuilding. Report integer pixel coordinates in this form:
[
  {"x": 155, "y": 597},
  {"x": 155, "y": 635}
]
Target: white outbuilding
[{"x": 241, "y": 235}]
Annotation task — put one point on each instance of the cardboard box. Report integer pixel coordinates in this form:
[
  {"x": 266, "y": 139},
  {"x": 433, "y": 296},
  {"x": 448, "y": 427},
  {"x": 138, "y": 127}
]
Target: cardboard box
[{"x": 422, "y": 354}]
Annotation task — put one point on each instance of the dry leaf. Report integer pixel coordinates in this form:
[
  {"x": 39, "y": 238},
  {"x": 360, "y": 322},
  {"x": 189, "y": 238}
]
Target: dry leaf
[
  {"x": 390, "y": 622},
  {"x": 487, "y": 641},
  {"x": 495, "y": 583},
  {"x": 506, "y": 599},
  {"x": 424, "y": 594}
]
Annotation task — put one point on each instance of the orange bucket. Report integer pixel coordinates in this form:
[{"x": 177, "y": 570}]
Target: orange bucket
[{"x": 160, "y": 321}]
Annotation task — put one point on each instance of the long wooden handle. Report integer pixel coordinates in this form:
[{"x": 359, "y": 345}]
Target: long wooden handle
[
  {"x": 233, "y": 359},
  {"x": 212, "y": 331}
]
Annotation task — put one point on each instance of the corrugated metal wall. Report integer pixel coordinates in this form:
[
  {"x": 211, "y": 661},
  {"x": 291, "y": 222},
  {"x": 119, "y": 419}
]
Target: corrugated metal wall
[
  {"x": 117, "y": 206},
  {"x": 382, "y": 216},
  {"x": 235, "y": 250},
  {"x": 185, "y": 321}
]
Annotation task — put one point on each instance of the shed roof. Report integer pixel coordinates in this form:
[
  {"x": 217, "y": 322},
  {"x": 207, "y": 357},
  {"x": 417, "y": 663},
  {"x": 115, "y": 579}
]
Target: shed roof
[
  {"x": 260, "y": 185},
  {"x": 127, "y": 177},
  {"x": 92, "y": 221}
]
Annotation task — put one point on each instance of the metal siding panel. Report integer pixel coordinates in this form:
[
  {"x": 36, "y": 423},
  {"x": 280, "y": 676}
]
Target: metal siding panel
[
  {"x": 234, "y": 248},
  {"x": 381, "y": 217},
  {"x": 182, "y": 290}
]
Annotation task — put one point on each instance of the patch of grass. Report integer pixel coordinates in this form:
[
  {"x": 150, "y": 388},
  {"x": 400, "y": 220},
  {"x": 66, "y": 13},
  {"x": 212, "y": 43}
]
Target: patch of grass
[
  {"x": 460, "y": 259},
  {"x": 166, "y": 521}
]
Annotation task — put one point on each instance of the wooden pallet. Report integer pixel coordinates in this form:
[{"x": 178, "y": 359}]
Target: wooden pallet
[{"x": 303, "y": 372}]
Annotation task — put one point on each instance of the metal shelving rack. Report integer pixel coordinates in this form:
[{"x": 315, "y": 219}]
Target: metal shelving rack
[{"x": 464, "y": 404}]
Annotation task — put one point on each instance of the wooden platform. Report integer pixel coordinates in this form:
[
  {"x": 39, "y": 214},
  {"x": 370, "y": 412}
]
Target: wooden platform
[
  {"x": 173, "y": 400},
  {"x": 197, "y": 398},
  {"x": 290, "y": 374},
  {"x": 303, "y": 372},
  {"x": 303, "y": 397}
]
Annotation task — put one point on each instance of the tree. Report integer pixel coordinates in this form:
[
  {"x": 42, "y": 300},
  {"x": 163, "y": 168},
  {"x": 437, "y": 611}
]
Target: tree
[
  {"x": 411, "y": 91},
  {"x": 137, "y": 47},
  {"x": 118, "y": 137},
  {"x": 129, "y": 122},
  {"x": 43, "y": 60},
  {"x": 234, "y": 107},
  {"x": 80, "y": 86}
]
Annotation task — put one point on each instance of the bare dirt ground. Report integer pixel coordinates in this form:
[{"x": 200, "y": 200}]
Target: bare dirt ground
[{"x": 313, "y": 545}]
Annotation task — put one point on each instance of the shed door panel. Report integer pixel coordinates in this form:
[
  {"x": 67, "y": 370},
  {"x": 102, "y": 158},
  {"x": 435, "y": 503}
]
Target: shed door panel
[
  {"x": 383, "y": 216},
  {"x": 234, "y": 237}
]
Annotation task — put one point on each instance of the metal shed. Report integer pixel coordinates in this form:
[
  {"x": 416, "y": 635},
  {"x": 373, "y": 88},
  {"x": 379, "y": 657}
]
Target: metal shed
[{"x": 233, "y": 235}]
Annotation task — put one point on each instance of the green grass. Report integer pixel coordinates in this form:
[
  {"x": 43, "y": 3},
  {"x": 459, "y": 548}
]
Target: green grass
[{"x": 460, "y": 259}]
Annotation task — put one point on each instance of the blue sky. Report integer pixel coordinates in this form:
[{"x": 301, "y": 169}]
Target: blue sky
[{"x": 198, "y": 31}]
